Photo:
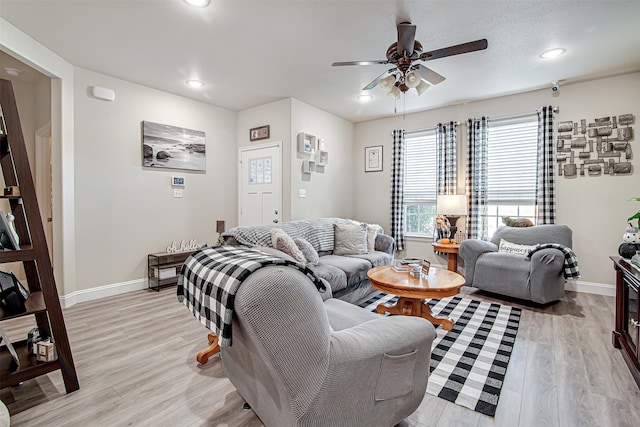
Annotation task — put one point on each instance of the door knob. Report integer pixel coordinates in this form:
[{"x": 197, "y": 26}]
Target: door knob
[
  {"x": 276, "y": 212},
  {"x": 275, "y": 221}
]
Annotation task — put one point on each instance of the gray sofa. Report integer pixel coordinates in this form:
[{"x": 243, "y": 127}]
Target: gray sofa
[
  {"x": 300, "y": 361},
  {"x": 539, "y": 278},
  {"x": 346, "y": 274}
]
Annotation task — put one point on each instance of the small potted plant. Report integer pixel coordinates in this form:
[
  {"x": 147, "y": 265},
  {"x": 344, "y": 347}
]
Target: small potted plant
[
  {"x": 631, "y": 236},
  {"x": 637, "y": 214}
]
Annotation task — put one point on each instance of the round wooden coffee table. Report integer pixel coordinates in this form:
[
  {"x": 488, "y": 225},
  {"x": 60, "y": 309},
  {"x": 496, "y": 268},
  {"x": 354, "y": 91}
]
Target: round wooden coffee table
[{"x": 412, "y": 291}]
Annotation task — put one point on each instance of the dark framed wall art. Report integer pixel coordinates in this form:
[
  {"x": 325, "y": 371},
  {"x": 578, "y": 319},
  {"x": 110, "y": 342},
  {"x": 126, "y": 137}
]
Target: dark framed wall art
[{"x": 373, "y": 159}]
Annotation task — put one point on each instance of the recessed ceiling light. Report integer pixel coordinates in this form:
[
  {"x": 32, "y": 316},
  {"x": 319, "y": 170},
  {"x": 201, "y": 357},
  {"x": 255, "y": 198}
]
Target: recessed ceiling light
[
  {"x": 195, "y": 83},
  {"x": 364, "y": 97},
  {"x": 552, "y": 53},
  {"x": 198, "y": 3},
  {"x": 13, "y": 71}
]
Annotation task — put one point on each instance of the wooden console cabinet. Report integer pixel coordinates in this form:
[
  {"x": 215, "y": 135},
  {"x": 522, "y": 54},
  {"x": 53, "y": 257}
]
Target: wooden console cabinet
[{"x": 626, "y": 335}]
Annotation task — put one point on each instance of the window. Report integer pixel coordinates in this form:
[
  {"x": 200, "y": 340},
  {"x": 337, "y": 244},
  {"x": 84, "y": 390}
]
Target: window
[
  {"x": 420, "y": 183},
  {"x": 511, "y": 169}
]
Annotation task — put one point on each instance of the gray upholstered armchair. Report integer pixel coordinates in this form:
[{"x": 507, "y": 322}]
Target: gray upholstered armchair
[
  {"x": 539, "y": 278},
  {"x": 300, "y": 361}
]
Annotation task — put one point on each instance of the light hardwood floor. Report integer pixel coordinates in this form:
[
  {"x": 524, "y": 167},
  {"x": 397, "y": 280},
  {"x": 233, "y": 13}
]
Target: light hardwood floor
[{"x": 135, "y": 357}]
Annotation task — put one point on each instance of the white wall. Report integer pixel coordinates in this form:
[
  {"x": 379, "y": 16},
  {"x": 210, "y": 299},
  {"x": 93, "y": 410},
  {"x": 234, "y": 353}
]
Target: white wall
[
  {"x": 595, "y": 208},
  {"x": 278, "y": 116},
  {"x": 329, "y": 194},
  {"x": 125, "y": 211}
]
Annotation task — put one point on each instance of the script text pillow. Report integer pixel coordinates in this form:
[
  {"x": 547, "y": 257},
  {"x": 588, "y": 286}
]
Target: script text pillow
[
  {"x": 283, "y": 242},
  {"x": 514, "y": 248},
  {"x": 307, "y": 249},
  {"x": 350, "y": 239}
]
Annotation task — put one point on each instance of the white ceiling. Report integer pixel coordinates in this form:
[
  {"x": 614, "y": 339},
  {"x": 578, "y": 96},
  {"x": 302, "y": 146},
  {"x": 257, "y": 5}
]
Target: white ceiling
[{"x": 250, "y": 53}]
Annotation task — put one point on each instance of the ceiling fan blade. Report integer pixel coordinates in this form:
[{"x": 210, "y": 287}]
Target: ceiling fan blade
[
  {"x": 455, "y": 50},
  {"x": 406, "y": 38},
  {"x": 429, "y": 75},
  {"x": 375, "y": 81},
  {"x": 375, "y": 62}
]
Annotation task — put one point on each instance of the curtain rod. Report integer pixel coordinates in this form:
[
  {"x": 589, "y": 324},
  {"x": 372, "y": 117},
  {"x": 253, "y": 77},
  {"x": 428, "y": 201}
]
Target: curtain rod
[
  {"x": 556, "y": 109},
  {"x": 424, "y": 129}
]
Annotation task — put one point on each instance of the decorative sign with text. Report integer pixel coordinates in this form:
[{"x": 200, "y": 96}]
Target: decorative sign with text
[{"x": 191, "y": 246}]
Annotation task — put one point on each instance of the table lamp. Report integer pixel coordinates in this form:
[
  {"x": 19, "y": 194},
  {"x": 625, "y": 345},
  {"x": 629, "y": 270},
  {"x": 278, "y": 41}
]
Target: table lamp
[{"x": 452, "y": 206}]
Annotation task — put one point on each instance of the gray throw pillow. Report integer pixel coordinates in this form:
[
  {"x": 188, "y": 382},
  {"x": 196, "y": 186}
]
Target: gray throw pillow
[
  {"x": 307, "y": 249},
  {"x": 283, "y": 242},
  {"x": 350, "y": 239}
]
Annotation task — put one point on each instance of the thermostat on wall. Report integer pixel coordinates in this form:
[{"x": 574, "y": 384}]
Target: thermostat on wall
[{"x": 177, "y": 181}]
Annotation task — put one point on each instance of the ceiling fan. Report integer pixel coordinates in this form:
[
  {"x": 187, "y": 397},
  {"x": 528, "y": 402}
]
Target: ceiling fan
[{"x": 403, "y": 54}]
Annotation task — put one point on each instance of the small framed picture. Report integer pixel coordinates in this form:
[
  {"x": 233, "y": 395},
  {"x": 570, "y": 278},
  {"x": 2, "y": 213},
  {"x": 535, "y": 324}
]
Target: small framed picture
[
  {"x": 177, "y": 181},
  {"x": 373, "y": 159},
  {"x": 262, "y": 132},
  {"x": 426, "y": 265}
]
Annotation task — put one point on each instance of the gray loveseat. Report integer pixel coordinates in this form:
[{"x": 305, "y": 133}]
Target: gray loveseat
[
  {"x": 539, "y": 278},
  {"x": 346, "y": 274},
  {"x": 336, "y": 364}
]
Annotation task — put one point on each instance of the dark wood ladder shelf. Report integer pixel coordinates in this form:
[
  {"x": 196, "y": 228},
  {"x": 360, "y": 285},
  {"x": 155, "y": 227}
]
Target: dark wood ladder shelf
[{"x": 43, "y": 301}]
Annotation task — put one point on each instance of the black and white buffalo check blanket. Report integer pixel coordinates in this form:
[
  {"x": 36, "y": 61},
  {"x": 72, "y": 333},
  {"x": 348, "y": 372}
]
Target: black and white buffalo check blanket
[
  {"x": 210, "y": 278},
  {"x": 571, "y": 270}
]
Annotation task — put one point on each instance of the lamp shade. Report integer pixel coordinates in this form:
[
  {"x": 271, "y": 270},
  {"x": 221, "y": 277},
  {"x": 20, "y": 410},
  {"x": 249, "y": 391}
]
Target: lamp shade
[
  {"x": 388, "y": 82},
  {"x": 394, "y": 93},
  {"x": 422, "y": 87},
  {"x": 412, "y": 79},
  {"x": 452, "y": 204}
]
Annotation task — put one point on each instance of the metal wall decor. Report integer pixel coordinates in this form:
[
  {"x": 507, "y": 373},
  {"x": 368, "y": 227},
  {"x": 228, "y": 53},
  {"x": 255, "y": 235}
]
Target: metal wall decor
[{"x": 600, "y": 147}]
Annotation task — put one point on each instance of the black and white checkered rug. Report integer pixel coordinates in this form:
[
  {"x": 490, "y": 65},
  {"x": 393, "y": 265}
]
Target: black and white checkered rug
[{"x": 468, "y": 363}]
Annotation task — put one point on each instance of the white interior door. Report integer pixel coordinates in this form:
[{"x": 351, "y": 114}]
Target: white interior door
[{"x": 261, "y": 185}]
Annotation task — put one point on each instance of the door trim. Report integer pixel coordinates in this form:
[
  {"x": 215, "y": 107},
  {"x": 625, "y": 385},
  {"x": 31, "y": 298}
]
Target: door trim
[
  {"x": 44, "y": 184},
  {"x": 277, "y": 144}
]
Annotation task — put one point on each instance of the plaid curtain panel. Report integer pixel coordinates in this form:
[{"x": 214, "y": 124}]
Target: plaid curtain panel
[
  {"x": 446, "y": 139},
  {"x": 545, "y": 185},
  {"x": 397, "y": 189},
  {"x": 477, "y": 227}
]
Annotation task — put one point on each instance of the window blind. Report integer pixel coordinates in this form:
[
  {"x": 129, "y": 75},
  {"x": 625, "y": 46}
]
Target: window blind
[
  {"x": 420, "y": 173},
  {"x": 512, "y": 159}
]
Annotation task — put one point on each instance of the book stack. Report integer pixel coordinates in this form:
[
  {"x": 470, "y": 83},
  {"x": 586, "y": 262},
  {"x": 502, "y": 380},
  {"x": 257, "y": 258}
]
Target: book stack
[{"x": 403, "y": 265}]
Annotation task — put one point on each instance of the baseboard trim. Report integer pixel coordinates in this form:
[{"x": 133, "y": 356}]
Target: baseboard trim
[
  {"x": 105, "y": 291},
  {"x": 85, "y": 295},
  {"x": 591, "y": 288}
]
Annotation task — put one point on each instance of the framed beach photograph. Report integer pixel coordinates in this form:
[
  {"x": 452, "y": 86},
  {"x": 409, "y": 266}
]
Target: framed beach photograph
[
  {"x": 373, "y": 159},
  {"x": 172, "y": 147}
]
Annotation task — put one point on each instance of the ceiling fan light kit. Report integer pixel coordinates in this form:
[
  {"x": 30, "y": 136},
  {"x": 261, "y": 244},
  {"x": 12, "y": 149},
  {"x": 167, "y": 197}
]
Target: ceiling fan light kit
[{"x": 402, "y": 54}]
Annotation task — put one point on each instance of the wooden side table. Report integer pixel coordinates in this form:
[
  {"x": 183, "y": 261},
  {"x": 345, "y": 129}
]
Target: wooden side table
[{"x": 451, "y": 249}]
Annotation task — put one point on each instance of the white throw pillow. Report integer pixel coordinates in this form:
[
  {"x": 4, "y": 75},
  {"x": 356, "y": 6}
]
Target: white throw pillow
[
  {"x": 350, "y": 239},
  {"x": 514, "y": 248},
  {"x": 372, "y": 231},
  {"x": 283, "y": 242}
]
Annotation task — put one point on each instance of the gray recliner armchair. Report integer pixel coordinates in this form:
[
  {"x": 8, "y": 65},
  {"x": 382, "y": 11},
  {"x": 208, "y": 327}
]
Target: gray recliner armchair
[
  {"x": 300, "y": 361},
  {"x": 539, "y": 278}
]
